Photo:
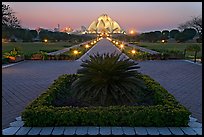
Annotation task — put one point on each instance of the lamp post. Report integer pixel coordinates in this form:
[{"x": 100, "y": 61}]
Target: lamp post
[
  {"x": 75, "y": 54},
  {"x": 87, "y": 46},
  {"x": 122, "y": 47},
  {"x": 133, "y": 52},
  {"x": 45, "y": 40}
]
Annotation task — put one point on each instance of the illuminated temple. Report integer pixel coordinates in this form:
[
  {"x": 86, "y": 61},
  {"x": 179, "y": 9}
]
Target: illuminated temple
[{"x": 105, "y": 24}]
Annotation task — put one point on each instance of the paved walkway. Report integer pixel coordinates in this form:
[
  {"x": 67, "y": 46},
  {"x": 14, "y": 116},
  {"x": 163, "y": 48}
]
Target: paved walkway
[
  {"x": 103, "y": 46},
  {"x": 181, "y": 78},
  {"x": 23, "y": 82}
]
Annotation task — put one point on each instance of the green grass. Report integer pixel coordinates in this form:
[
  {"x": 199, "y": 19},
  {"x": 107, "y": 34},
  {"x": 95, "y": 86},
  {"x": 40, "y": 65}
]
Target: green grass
[
  {"x": 29, "y": 48},
  {"x": 171, "y": 46}
]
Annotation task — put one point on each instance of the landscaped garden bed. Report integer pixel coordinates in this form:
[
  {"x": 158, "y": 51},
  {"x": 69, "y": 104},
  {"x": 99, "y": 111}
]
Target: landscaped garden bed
[
  {"x": 133, "y": 53},
  {"x": 12, "y": 56},
  {"x": 106, "y": 92},
  {"x": 72, "y": 54}
]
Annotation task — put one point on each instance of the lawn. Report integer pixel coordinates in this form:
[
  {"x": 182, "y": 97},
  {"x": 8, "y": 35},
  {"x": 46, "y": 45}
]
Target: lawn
[
  {"x": 29, "y": 48},
  {"x": 171, "y": 46}
]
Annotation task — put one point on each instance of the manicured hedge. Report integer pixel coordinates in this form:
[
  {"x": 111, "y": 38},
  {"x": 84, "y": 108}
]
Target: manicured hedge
[{"x": 166, "y": 111}]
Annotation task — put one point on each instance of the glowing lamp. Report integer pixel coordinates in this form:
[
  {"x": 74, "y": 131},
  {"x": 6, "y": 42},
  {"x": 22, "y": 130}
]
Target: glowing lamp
[
  {"x": 45, "y": 40},
  {"x": 121, "y": 46},
  {"x": 133, "y": 51},
  {"x": 76, "y": 52},
  {"x": 87, "y": 46},
  {"x": 163, "y": 41}
]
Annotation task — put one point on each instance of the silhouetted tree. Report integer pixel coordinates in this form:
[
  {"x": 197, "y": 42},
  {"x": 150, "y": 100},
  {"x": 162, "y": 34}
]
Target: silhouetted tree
[
  {"x": 165, "y": 34},
  {"x": 8, "y": 17},
  {"x": 196, "y": 23},
  {"x": 173, "y": 32}
]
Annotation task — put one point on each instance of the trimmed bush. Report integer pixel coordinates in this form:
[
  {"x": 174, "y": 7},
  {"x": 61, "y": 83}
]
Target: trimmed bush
[{"x": 166, "y": 111}]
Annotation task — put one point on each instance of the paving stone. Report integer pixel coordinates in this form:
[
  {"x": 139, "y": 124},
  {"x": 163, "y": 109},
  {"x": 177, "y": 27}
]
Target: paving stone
[
  {"x": 35, "y": 131},
  {"x": 46, "y": 131},
  {"x": 82, "y": 130},
  {"x": 128, "y": 130},
  {"x": 93, "y": 130},
  {"x": 192, "y": 119},
  {"x": 164, "y": 131},
  {"x": 152, "y": 131},
  {"x": 19, "y": 118},
  {"x": 23, "y": 131},
  {"x": 198, "y": 131},
  {"x": 70, "y": 130},
  {"x": 176, "y": 131},
  {"x": 105, "y": 130},
  {"x": 188, "y": 131},
  {"x": 194, "y": 124},
  {"x": 58, "y": 131},
  {"x": 17, "y": 124},
  {"x": 117, "y": 130},
  {"x": 140, "y": 130},
  {"x": 10, "y": 130}
]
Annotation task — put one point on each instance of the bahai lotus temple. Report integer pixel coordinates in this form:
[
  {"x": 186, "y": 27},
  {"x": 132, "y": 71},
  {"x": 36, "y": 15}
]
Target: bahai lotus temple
[{"x": 104, "y": 24}]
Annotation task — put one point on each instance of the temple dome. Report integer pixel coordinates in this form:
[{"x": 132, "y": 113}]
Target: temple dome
[{"x": 104, "y": 24}]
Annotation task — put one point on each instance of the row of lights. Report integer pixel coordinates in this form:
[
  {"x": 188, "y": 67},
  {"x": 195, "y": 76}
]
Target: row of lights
[
  {"x": 87, "y": 46},
  {"x": 122, "y": 46}
]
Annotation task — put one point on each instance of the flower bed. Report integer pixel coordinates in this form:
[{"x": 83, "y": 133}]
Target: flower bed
[
  {"x": 166, "y": 111},
  {"x": 69, "y": 55}
]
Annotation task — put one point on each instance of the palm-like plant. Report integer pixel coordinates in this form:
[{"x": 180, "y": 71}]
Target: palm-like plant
[{"x": 107, "y": 79}]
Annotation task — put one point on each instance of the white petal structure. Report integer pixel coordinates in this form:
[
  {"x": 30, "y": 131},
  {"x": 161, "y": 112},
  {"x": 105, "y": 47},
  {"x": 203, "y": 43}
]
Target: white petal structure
[{"x": 104, "y": 24}]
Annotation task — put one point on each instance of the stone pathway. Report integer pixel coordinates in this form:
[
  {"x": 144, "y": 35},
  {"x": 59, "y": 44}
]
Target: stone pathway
[
  {"x": 25, "y": 81},
  {"x": 182, "y": 79},
  {"x": 103, "y": 46},
  {"x": 16, "y": 128}
]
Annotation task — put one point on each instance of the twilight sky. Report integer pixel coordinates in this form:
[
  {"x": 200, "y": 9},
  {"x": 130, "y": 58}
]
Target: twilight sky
[{"x": 141, "y": 16}]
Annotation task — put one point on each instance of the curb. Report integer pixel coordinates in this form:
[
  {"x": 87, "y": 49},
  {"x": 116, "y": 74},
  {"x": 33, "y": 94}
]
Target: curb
[
  {"x": 16, "y": 128},
  {"x": 9, "y": 65}
]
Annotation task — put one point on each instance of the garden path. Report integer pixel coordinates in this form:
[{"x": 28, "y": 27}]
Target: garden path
[{"x": 25, "y": 81}]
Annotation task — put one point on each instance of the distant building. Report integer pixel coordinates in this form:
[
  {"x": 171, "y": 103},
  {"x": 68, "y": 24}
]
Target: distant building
[
  {"x": 67, "y": 30},
  {"x": 104, "y": 24}
]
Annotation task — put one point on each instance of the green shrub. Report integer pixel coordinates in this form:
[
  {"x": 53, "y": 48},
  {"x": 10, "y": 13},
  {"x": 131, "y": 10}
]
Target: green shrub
[
  {"x": 166, "y": 111},
  {"x": 107, "y": 79}
]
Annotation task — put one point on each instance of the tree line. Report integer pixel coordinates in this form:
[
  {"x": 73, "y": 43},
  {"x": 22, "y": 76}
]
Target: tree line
[
  {"x": 27, "y": 35},
  {"x": 12, "y": 30}
]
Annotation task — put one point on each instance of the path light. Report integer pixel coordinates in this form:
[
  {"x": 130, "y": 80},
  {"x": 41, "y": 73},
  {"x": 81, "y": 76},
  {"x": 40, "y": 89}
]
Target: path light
[
  {"x": 133, "y": 51},
  {"x": 121, "y": 46},
  {"x": 76, "y": 52},
  {"x": 92, "y": 43},
  {"x": 87, "y": 46},
  {"x": 116, "y": 43},
  {"x": 163, "y": 41},
  {"x": 45, "y": 40}
]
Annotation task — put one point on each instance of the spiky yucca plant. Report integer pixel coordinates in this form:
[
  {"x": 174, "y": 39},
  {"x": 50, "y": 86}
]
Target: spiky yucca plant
[{"x": 107, "y": 79}]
